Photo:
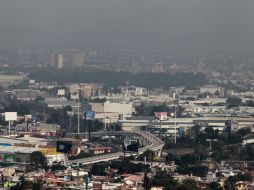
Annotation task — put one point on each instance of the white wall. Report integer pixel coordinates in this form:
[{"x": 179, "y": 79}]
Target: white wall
[{"x": 121, "y": 108}]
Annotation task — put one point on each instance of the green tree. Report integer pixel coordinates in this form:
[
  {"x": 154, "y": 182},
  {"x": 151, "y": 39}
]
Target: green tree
[
  {"x": 146, "y": 80},
  {"x": 231, "y": 181},
  {"x": 20, "y": 108},
  {"x": 190, "y": 184},
  {"x": 209, "y": 131},
  {"x": 67, "y": 108},
  {"x": 214, "y": 186},
  {"x": 188, "y": 159},
  {"x": 201, "y": 151},
  {"x": 200, "y": 171},
  {"x": 170, "y": 157},
  {"x": 126, "y": 166},
  {"x": 233, "y": 101},
  {"x": 99, "y": 100},
  {"x": 229, "y": 184},
  {"x": 146, "y": 182},
  {"x": 99, "y": 169},
  {"x": 181, "y": 187},
  {"x": 39, "y": 98},
  {"x": 165, "y": 180},
  {"x": 57, "y": 167},
  {"x": 55, "y": 118},
  {"x": 38, "y": 159},
  {"x": 250, "y": 151},
  {"x": 149, "y": 154},
  {"x": 27, "y": 184},
  {"x": 160, "y": 108},
  {"x": 228, "y": 131},
  {"x": 250, "y": 103},
  {"x": 36, "y": 186},
  {"x": 244, "y": 131},
  {"x": 195, "y": 130}
]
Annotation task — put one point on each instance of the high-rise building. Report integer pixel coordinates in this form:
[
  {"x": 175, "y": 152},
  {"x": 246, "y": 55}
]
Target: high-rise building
[
  {"x": 158, "y": 68},
  {"x": 60, "y": 61},
  {"x": 78, "y": 59},
  {"x": 57, "y": 60}
]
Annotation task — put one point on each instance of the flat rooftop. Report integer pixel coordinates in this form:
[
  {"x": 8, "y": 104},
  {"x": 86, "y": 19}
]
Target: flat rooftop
[
  {"x": 26, "y": 140},
  {"x": 17, "y": 149}
]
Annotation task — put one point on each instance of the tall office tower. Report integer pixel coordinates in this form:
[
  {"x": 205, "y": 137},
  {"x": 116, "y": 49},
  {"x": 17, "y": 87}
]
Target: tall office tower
[
  {"x": 53, "y": 59},
  {"x": 60, "y": 61},
  {"x": 78, "y": 59},
  {"x": 57, "y": 60},
  {"x": 158, "y": 68}
]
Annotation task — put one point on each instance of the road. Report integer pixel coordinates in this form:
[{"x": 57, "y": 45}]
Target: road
[{"x": 154, "y": 144}]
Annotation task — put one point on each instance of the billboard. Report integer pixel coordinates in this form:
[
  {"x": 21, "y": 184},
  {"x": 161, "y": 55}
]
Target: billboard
[
  {"x": 9, "y": 158},
  {"x": 63, "y": 146},
  {"x": 89, "y": 115},
  {"x": 130, "y": 145},
  {"x": 161, "y": 116},
  {"x": 11, "y": 116}
]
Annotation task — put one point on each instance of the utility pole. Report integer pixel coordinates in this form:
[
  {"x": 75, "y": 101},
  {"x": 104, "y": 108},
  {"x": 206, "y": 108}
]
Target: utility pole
[
  {"x": 160, "y": 128},
  {"x": 105, "y": 123},
  {"x": 70, "y": 122},
  {"x": 89, "y": 130},
  {"x": 175, "y": 125},
  {"x": 78, "y": 122},
  {"x": 9, "y": 128}
]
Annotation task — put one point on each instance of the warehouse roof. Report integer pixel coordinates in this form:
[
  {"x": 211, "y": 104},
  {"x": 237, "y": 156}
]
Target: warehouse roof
[{"x": 17, "y": 149}]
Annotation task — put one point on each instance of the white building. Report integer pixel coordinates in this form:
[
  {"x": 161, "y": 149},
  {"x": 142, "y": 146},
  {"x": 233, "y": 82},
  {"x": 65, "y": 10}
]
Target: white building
[
  {"x": 207, "y": 109},
  {"x": 11, "y": 79},
  {"x": 74, "y": 88},
  {"x": 210, "y": 89},
  {"x": 59, "y": 103},
  {"x": 51, "y": 158},
  {"x": 112, "y": 111}
]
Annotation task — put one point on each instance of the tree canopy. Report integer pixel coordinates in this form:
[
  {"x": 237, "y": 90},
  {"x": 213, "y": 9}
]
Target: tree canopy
[
  {"x": 190, "y": 184},
  {"x": 147, "y": 80},
  {"x": 38, "y": 159},
  {"x": 233, "y": 101}
]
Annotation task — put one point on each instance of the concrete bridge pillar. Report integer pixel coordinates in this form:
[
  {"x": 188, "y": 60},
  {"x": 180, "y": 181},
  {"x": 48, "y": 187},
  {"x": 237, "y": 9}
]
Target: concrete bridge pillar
[{"x": 158, "y": 153}]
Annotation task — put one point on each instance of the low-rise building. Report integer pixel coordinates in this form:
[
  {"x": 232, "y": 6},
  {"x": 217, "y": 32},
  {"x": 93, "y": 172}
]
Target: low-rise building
[{"x": 59, "y": 103}]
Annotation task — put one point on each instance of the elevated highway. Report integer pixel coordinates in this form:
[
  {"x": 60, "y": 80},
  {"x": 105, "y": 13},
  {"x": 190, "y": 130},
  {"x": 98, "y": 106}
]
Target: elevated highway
[{"x": 152, "y": 143}]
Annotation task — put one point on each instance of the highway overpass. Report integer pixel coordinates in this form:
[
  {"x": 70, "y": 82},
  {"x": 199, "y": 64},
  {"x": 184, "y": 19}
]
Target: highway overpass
[{"x": 153, "y": 143}]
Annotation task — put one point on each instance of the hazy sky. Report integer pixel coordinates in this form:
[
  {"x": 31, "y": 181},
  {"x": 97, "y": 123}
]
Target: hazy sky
[{"x": 215, "y": 25}]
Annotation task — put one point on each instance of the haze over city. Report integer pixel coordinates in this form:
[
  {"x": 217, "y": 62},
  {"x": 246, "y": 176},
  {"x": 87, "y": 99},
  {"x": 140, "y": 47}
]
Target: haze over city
[
  {"x": 187, "y": 25},
  {"x": 126, "y": 95}
]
